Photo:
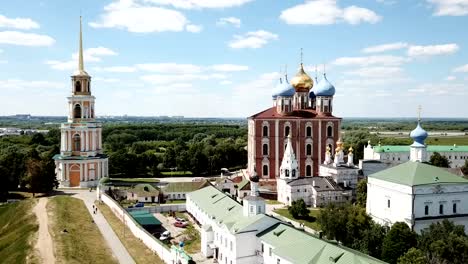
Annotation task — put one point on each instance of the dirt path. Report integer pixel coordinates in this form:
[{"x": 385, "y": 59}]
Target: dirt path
[{"x": 44, "y": 241}]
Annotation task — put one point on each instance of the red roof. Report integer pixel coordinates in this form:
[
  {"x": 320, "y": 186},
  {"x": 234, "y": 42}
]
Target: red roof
[{"x": 271, "y": 113}]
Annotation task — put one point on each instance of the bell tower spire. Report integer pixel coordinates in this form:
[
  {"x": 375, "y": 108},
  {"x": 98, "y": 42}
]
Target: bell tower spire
[{"x": 80, "y": 52}]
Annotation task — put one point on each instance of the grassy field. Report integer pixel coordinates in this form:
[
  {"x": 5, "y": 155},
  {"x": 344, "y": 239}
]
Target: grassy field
[
  {"x": 83, "y": 242},
  {"x": 313, "y": 212},
  {"x": 192, "y": 240},
  {"x": 272, "y": 202},
  {"x": 18, "y": 226},
  {"x": 461, "y": 141},
  {"x": 139, "y": 252}
]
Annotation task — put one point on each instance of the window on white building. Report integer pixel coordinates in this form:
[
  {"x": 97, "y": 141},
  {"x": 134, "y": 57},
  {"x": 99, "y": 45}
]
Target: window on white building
[
  {"x": 426, "y": 210},
  {"x": 263, "y": 248},
  {"x": 441, "y": 209},
  {"x": 230, "y": 245},
  {"x": 388, "y": 203},
  {"x": 251, "y": 209},
  {"x": 454, "y": 208},
  {"x": 269, "y": 251},
  {"x": 278, "y": 261}
]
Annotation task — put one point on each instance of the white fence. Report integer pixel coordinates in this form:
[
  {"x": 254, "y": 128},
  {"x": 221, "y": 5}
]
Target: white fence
[
  {"x": 163, "y": 208},
  {"x": 138, "y": 231}
]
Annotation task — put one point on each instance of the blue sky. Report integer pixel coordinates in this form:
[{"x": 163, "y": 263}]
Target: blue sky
[{"x": 222, "y": 58}]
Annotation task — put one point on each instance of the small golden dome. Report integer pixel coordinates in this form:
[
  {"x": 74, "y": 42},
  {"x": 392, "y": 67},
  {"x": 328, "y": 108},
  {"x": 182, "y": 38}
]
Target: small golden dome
[{"x": 302, "y": 82}]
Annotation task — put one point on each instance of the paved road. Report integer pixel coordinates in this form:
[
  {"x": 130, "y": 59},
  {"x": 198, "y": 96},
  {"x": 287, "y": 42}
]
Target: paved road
[{"x": 118, "y": 249}]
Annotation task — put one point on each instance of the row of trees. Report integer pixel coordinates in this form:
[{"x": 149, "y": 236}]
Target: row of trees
[{"x": 442, "y": 242}]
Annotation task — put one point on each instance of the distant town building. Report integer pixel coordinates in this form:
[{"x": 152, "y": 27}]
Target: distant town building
[
  {"x": 417, "y": 193},
  {"x": 144, "y": 193},
  {"x": 302, "y": 111},
  {"x": 81, "y": 162},
  {"x": 179, "y": 190}
]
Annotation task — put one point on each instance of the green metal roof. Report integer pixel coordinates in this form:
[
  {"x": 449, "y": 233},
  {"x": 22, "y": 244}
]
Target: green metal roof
[
  {"x": 144, "y": 189},
  {"x": 145, "y": 218},
  {"x": 430, "y": 148},
  {"x": 244, "y": 185},
  {"x": 224, "y": 209},
  {"x": 301, "y": 248},
  {"x": 184, "y": 187},
  {"x": 415, "y": 173}
]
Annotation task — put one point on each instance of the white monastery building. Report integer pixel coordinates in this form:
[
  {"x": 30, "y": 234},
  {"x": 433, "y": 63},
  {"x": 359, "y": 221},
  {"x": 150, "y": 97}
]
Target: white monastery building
[
  {"x": 417, "y": 193},
  {"x": 232, "y": 233},
  {"x": 81, "y": 162}
]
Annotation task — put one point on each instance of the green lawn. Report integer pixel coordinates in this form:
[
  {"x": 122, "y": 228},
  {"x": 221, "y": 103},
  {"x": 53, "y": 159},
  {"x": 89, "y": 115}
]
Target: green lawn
[
  {"x": 139, "y": 251},
  {"x": 176, "y": 173},
  {"x": 313, "y": 212},
  {"x": 461, "y": 141},
  {"x": 175, "y": 201},
  {"x": 192, "y": 241},
  {"x": 272, "y": 202},
  {"x": 83, "y": 242},
  {"x": 18, "y": 225},
  {"x": 134, "y": 180}
]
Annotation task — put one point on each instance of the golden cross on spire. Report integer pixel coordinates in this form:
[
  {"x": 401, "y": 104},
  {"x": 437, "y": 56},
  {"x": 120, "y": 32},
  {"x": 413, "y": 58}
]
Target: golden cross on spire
[
  {"x": 301, "y": 56},
  {"x": 419, "y": 113}
]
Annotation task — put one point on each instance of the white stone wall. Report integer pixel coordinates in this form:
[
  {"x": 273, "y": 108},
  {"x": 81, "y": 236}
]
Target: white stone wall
[
  {"x": 340, "y": 175},
  {"x": 401, "y": 200}
]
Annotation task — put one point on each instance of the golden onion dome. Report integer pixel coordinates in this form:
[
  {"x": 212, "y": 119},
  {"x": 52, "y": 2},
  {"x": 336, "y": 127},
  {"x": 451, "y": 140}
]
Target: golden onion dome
[{"x": 302, "y": 82}]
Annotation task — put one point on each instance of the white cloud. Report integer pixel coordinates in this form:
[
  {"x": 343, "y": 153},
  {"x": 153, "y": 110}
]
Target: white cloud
[
  {"x": 170, "y": 68},
  {"x": 451, "y": 78},
  {"x": 225, "y": 82},
  {"x": 376, "y": 72},
  {"x": 326, "y": 12},
  {"x": 194, "y": 28},
  {"x": 25, "y": 39},
  {"x": 229, "y": 67},
  {"x": 120, "y": 69},
  {"x": 440, "y": 89},
  {"x": 385, "y": 47},
  {"x": 463, "y": 68},
  {"x": 89, "y": 55},
  {"x": 140, "y": 18},
  {"x": 107, "y": 80},
  {"x": 432, "y": 50},
  {"x": 18, "y": 23},
  {"x": 253, "y": 39},
  {"x": 161, "y": 79},
  {"x": 229, "y": 21},
  {"x": 450, "y": 7},
  {"x": 383, "y": 60},
  {"x": 199, "y": 4},
  {"x": 19, "y": 84}
]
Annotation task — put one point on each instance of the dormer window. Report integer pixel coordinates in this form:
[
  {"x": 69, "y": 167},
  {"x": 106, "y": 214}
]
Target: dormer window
[{"x": 286, "y": 172}]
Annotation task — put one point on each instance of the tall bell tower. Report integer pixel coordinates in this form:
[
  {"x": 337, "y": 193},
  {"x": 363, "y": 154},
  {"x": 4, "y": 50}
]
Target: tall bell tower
[{"x": 81, "y": 162}]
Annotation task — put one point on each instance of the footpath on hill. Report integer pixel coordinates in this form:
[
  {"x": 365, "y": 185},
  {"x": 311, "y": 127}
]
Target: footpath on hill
[{"x": 44, "y": 243}]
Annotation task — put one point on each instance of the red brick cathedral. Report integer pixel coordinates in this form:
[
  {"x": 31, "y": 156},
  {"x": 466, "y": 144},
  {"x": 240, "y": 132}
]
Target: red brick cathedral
[{"x": 302, "y": 111}]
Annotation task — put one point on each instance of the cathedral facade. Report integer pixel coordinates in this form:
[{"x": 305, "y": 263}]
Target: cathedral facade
[
  {"x": 301, "y": 110},
  {"x": 81, "y": 162}
]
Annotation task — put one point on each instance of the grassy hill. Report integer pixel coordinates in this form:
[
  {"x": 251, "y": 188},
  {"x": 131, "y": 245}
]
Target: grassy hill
[{"x": 18, "y": 226}]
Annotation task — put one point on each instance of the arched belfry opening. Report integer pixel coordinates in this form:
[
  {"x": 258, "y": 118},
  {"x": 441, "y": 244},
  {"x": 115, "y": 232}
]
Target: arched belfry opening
[
  {"x": 77, "y": 86},
  {"x": 76, "y": 143},
  {"x": 89, "y": 86},
  {"x": 77, "y": 111}
]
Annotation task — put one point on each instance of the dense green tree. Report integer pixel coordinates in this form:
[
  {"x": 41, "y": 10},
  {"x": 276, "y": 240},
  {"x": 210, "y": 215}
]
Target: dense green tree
[
  {"x": 464, "y": 168},
  {"x": 445, "y": 242},
  {"x": 413, "y": 256},
  {"x": 372, "y": 240},
  {"x": 38, "y": 138},
  {"x": 358, "y": 139},
  {"x": 361, "y": 193},
  {"x": 397, "y": 242},
  {"x": 40, "y": 173},
  {"x": 438, "y": 160},
  {"x": 298, "y": 209}
]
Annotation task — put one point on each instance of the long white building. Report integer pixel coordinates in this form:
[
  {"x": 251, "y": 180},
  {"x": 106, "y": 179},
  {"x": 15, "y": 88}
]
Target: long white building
[
  {"x": 417, "y": 193},
  {"x": 243, "y": 234}
]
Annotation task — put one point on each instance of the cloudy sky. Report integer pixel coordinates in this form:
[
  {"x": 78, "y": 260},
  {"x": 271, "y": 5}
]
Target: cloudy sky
[{"x": 222, "y": 58}]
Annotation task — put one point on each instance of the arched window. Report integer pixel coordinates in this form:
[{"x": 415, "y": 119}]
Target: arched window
[
  {"x": 426, "y": 210},
  {"x": 441, "y": 209},
  {"x": 286, "y": 131},
  {"x": 294, "y": 173},
  {"x": 308, "y": 131},
  {"x": 265, "y": 170},
  {"x": 309, "y": 149},
  {"x": 265, "y": 131},
  {"x": 77, "y": 111},
  {"x": 286, "y": 172},
  {"x": 77, "y": 86},
  {"x": 308, "y": 170},
  {"x": 329, "y": 131},
  {"x": 265, "y": 149},
  {"x": 89, "y": 87},
  {"x": 76, "y": 142},
  {"x": 454, "y": 208}
]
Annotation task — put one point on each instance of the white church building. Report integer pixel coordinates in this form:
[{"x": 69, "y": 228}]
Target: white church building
[{"x": 417, "y": 193}]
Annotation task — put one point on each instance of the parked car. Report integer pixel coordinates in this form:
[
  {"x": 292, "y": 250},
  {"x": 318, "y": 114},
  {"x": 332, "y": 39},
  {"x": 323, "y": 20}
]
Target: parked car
[
  {"x": 178, "y": 219},
  {"x": 165, "y": 235},
  {"x": 139, "y": 205},
  {"x": 181, "y": 224}
]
